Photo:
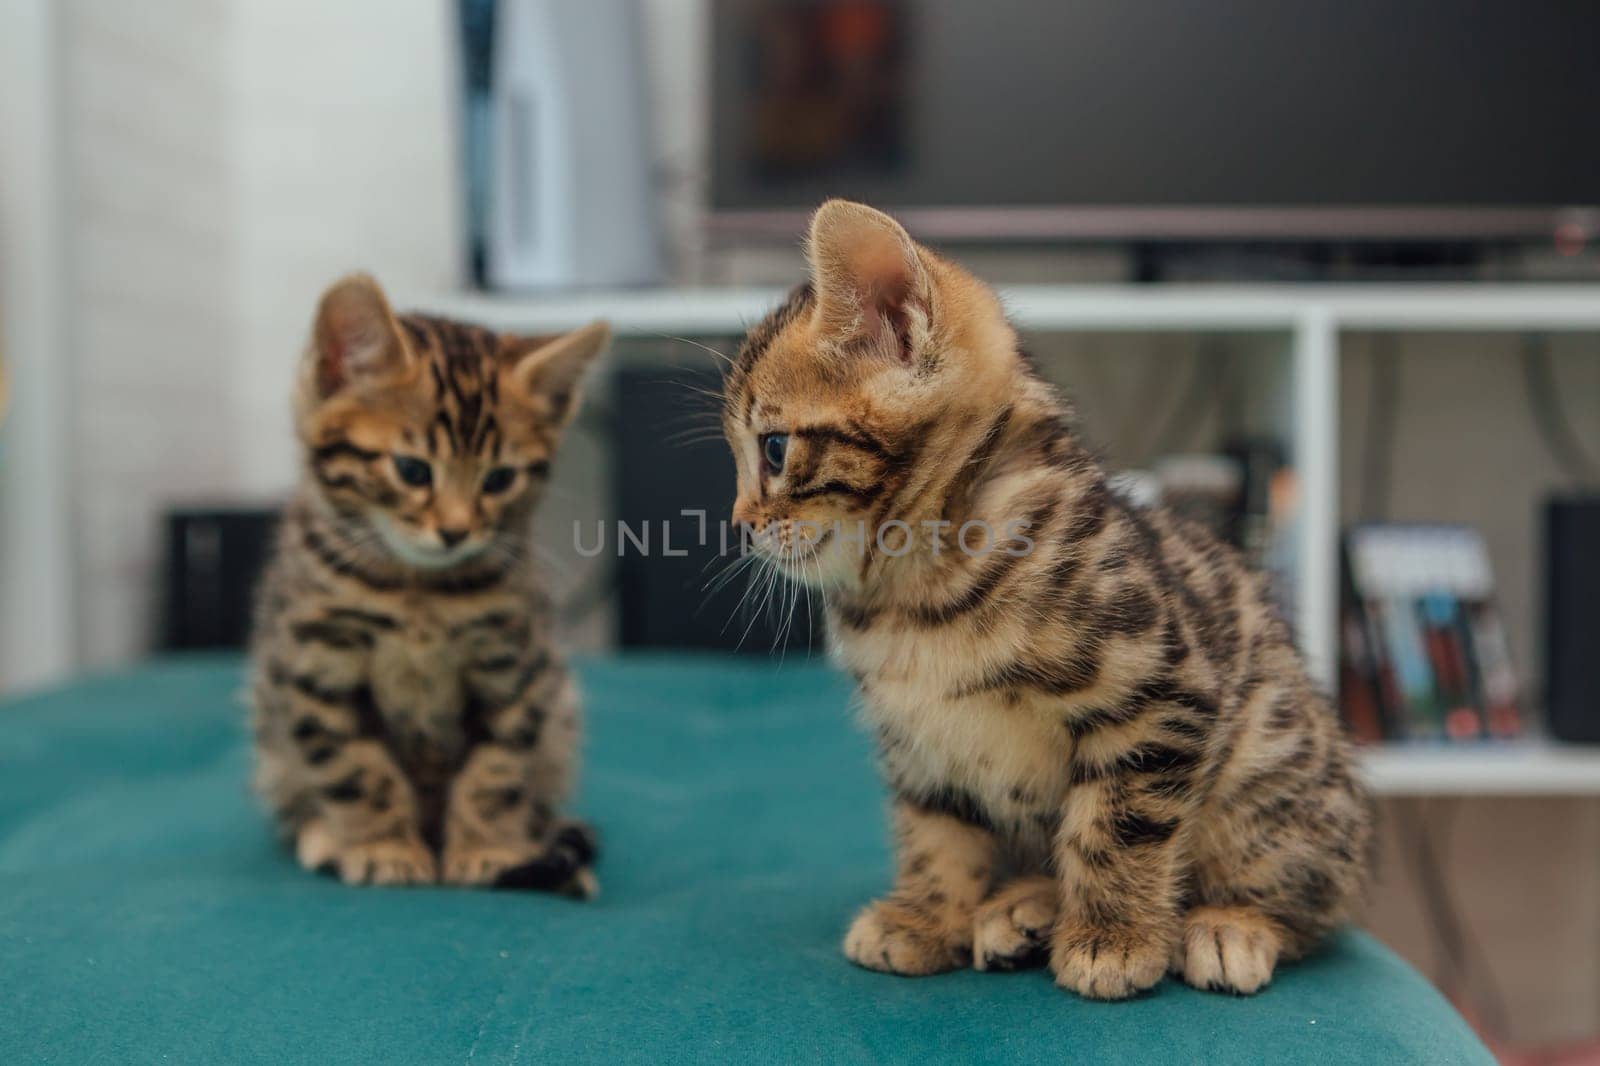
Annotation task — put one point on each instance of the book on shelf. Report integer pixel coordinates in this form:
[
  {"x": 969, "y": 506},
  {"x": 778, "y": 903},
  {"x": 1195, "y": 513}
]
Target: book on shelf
[{"x": 1423, "y": 652}]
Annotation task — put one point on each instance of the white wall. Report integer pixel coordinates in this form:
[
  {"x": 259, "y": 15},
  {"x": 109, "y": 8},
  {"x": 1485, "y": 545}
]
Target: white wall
[
  {"x": 342, "y": 158},
  {"x": 149, "y": 245},
  {"x": 36, "y": 564},
  {"x": 222, "y": 161}
]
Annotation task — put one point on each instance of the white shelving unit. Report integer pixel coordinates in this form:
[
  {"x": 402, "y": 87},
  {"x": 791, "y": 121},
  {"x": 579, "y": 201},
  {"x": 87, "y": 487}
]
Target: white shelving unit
[
  {"x": 1532, "y": 767},
  {"x": 1312, "y": 317}
]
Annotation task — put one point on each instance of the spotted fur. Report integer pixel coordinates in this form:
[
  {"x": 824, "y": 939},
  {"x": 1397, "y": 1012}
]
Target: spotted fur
[
  {"x": 1103, "y": 748},
  {"x": 414, "y": 720}
]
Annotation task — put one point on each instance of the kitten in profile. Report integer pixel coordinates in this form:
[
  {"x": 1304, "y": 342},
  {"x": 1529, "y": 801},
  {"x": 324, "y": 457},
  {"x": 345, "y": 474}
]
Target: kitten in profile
[
  {"x": 1103, "y": 749},
  {"x": 414, "y": 721}
]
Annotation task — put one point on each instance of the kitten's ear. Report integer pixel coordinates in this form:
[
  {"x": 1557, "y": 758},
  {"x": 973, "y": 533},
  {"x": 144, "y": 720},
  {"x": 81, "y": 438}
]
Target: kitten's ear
[
  {"x": 546, "y": 373},
  {"x": 355, "y": 336},
  {"x": 870, "y": 280}
]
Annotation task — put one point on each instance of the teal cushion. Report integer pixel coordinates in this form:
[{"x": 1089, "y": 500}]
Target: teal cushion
[{"x": 147, "y": 916}]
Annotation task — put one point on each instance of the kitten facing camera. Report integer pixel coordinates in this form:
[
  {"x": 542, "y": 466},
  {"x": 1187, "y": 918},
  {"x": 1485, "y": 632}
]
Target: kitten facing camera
[
  {"x": 414, "y": 720},
  {"x": 1103, "y": 749}
]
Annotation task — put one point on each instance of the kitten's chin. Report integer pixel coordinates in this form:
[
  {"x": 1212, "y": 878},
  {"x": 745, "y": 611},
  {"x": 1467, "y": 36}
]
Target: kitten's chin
[{"x": 421, "y": 556}]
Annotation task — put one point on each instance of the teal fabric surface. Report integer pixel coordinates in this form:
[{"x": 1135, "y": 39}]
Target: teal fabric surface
[{"x": 147, "y": 916}]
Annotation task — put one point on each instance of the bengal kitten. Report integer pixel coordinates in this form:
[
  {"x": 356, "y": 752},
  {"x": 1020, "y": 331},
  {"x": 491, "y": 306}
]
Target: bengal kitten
[
  {"x": 1102, "y": 746},
  {"x": 414, "y": 721}
]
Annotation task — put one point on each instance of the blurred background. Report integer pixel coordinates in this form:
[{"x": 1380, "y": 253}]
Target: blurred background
[{"x": 1322, "y": 274}]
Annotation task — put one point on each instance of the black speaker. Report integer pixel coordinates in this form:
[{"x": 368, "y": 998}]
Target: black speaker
[
  {"x": 214, "y": 559},
  {"x": 1572, "y": 633}
]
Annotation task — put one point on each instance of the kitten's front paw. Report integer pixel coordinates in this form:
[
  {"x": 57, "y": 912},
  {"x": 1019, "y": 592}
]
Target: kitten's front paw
[
  {"x": 1012, "y": 931},
  {"x": 891, "y": 939},
  {"x": 562, "y": 866},
  {"x": 480, "y": 865},
  {"x": 1227, "y": 949},
  {"x": 1112, "y": 963},
  {"x": 390, "y": 861}
]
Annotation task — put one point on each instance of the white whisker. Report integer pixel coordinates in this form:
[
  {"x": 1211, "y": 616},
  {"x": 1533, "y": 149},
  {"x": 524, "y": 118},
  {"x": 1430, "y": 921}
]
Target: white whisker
[
  {"x": 763, "y": 572},
  {"x": 695, "y": 343},
  {"x": 752, "y": 580}
]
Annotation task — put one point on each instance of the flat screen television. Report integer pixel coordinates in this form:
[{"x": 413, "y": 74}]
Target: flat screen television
[{"x": 1162, "y": 119}]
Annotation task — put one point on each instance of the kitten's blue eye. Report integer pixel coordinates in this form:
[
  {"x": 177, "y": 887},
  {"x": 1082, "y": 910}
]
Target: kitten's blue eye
[
  {"x": 774, "y": 449},
  {"x": 414, "y": 472},
  {"x": 498, "y": 480}
]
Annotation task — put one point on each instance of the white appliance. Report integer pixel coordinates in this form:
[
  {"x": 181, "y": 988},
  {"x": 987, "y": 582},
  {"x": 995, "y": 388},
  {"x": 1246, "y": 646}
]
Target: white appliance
[{"x": 570, "y": 202}]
